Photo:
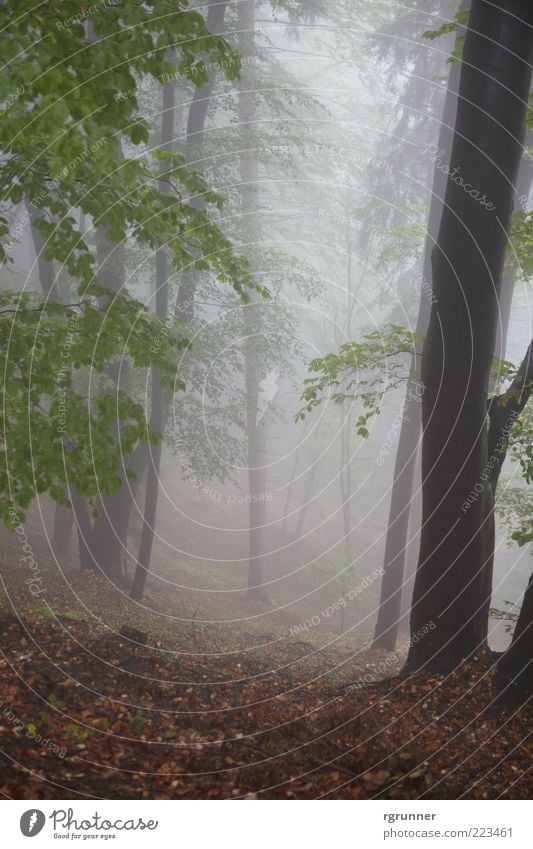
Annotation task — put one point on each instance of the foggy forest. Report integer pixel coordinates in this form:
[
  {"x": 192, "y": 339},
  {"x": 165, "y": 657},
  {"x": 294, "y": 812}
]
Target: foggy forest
[{"x": 266, "y": 415}]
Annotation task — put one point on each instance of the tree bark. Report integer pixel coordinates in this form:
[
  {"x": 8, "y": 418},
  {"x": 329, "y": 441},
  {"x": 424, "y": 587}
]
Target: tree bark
[{"x": 450, "y": 586}]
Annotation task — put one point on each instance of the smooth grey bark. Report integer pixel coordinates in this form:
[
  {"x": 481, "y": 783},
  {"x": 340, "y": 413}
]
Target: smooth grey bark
[{"x": 455, "y": 551}]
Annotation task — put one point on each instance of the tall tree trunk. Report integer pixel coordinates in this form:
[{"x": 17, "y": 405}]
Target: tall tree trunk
[
  {"x": 108, "y": 539},
  {"x": 158, "y": 417},
  {"x": 63, "y": 516},
  {"x": 525, "y": 176},
  {"x": 254, "y": 428},
  {"x": 184, "y": 309},
  {"x": 185, "y": 300},
  {"x": 450, "y": 585},
  {"x": 396, "y": 541}
]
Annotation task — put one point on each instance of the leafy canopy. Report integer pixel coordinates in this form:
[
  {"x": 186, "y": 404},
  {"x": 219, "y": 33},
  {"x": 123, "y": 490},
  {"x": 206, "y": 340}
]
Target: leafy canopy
[{"x": 75, "y": 149}]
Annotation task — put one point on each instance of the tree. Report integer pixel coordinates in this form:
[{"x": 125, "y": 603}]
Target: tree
[
  {"x": 463, "y": 456},
  {"x": 393, "y": 584},
  {"x": 74, "y": 164},
  {"x": 186, "y": 291},
  {"x": 453, "y": 581},
  {"x": 396, "y": 541}
]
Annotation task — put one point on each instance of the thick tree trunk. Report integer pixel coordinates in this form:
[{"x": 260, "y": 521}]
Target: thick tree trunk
[
  {"x": 396, "y": 542},
  {"x": 451, "y": 581},
  {"x": 525, "y": 176}
]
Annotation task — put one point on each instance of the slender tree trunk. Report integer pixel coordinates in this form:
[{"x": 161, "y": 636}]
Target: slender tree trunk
[
  {"x": 184, "y": 309},
  {"x": 63, "y": 524},
  {"x": 45, "y": 268},
  {"x": 158, "y": 417},
  {"x": 450, "y": 585},
  {"x": 250, "y": 229},
  {"x": 396, "y": 541},
  {"x": 256, "y": 476},
  {"x": 63, "y": 516},
  {"x": 515, "y": 668},
  {"x": 185, "y": 300},
  {"x": 108, "y": 540},
  {"x": 82, "y": 520},
  {"x": 345, "y": 478}
]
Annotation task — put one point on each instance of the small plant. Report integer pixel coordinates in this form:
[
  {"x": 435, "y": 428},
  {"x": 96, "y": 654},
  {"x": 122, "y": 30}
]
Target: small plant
[
  {"x": 138, "y": 722},
  {"x": 79, "y": 734},
  {"x": 56, "y": 702}
]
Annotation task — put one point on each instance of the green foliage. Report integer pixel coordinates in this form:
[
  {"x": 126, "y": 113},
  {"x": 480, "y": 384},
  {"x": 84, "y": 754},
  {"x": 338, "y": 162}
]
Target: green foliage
[
  {"x": 459, "y": 22},
  {"x": 50, "y": 427},
  {"x": 64, "y": 138},
  {"x": 75, "y": 147},
  {"x": 515, "y": 503},
  {"x": 520, "y": 253},
  {"x": 362, "y": 370},
  {"x": 366, "y": 370}
]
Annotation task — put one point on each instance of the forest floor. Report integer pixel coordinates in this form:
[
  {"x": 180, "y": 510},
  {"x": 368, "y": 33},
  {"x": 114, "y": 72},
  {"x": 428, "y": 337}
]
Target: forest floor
[{"x": 87, "y": 713}]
